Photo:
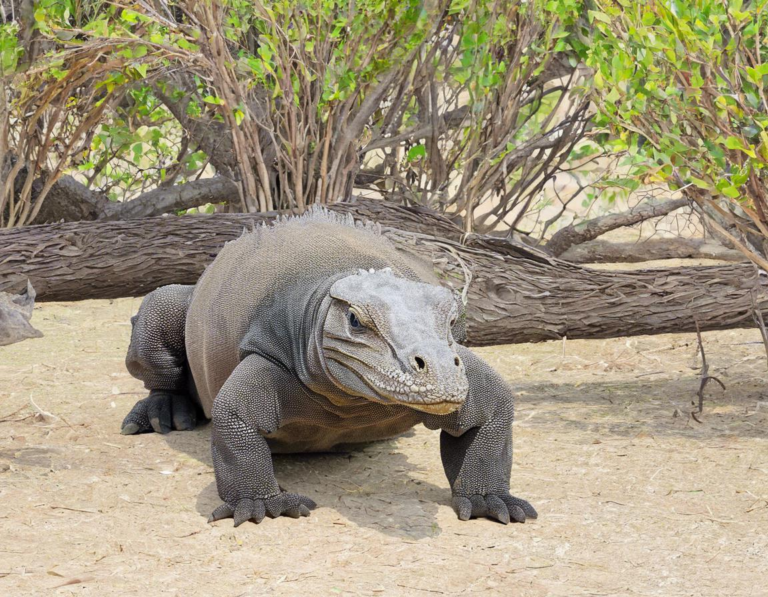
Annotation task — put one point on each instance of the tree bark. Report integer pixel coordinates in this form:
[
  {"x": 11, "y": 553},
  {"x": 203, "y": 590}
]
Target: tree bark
[{"x": 516, "y": 294}]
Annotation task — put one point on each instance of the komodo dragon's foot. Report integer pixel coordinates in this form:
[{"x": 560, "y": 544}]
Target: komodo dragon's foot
[
  {"x": 160, "y": 411},
  {"x": 282, "y": 504},
  {"x": 502, "y": 507}
]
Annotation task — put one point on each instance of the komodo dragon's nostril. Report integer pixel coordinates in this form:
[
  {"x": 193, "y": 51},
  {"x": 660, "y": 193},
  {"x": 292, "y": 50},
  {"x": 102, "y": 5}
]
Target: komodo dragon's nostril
[
  {"x": 457, "y": 361},
  {"x": 419, "y": 363}
]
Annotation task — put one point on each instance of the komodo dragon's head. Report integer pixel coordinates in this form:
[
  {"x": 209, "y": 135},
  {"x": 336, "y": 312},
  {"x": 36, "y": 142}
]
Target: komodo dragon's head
[{"x": 388, "y": 339}]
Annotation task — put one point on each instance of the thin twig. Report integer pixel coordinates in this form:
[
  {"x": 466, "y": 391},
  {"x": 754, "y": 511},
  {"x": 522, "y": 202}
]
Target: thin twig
[
  {"x": 705, "y": 376},
  {"x": 758, "y": 316},
  {"x": 44, "y": 414}
]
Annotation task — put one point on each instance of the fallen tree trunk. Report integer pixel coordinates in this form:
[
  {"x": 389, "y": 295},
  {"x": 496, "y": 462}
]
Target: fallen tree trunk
[{"x": 516, "y": 294}]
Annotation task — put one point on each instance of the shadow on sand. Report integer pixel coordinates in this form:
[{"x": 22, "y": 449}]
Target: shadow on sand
[
  {"x": 372, "y": 486},
  {"x": 376, "y": 486}
]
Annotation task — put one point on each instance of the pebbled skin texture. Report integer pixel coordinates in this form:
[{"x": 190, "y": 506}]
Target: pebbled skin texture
[{"x": 265, "y": 346}]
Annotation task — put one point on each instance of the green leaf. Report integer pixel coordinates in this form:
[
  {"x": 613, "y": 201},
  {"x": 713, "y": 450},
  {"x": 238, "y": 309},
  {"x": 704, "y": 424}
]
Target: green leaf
[
  {"x": 600, "y": 16},
  {"x": 734, "y": 143},
  {"x": 416, "y": 152},
  {"x": 212, "y": 99},
  {"x": 702, "y": 184}
]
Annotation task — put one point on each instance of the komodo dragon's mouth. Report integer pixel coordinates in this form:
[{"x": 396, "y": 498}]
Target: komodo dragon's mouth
[
  {"x": 395, "y": 388},
  {"x": 436, "y": 408},
  {"x": 417, "y": 402}
]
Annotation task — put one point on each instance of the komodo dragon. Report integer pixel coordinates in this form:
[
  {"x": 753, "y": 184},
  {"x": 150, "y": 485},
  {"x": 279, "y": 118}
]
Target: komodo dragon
[{"x": 313, "y": 333}]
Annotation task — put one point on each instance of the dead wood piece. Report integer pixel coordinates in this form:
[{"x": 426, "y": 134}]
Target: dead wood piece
[{"x": 15, "y": 313}]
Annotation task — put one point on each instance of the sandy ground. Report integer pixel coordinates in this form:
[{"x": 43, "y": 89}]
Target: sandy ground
[{"x": 634, "y": 496}]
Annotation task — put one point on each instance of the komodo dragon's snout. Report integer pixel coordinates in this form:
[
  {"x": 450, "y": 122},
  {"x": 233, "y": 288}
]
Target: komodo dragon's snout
[{"x": 389, "y": 340}]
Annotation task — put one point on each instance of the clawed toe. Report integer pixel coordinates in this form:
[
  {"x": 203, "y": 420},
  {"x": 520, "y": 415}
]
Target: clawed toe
[
  {"x": 160, "y": 412},
  {"x": 223, "y": 511},
  {"x": 502, "y": 507},
  {"x": 130, "y": 428},
  {"x": 291, "y": 505}
]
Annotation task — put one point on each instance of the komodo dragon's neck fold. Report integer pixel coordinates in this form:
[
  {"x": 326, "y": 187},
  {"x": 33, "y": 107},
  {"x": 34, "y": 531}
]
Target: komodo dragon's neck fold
[
  {"x": 295, "y": 339},
  {"x": 310, "y": 362}
]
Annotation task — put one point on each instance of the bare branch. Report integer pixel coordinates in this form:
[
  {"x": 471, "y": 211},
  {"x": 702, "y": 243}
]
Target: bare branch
[
  {"x": 571, "y": 235},
  {"x": 69, "y": 200},
  {"x": 600, "y": 251},
  {"x": 164, "y": 200}
]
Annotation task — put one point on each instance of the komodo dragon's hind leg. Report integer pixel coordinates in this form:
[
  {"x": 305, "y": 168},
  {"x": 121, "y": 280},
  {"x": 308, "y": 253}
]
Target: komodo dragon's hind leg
[{"x": 157, "y": 356}]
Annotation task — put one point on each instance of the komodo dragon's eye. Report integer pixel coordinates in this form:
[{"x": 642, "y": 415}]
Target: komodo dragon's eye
[{"x": 354, "y": 321}]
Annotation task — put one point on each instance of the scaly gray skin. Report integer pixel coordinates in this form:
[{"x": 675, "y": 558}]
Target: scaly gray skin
[{"x": 311, "y": 334}]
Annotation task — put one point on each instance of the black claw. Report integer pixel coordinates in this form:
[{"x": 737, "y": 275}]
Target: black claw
[
  {"x": 525, "y": 507},
  {"x": 307, "y": 502},
  {"x": 183, "y": 423},
  {"x": 223, "y": 511},
  {"x": 274, "y": 506},
  {"x": 159, "y": 412},
  {"x": 502, "y": 507},
  {"x": 259, "y": 512},
  {"x": 479, "y": 508},
  {"x": 243, "y": 511},
  {"x": 130, "y": 429},
  {"x": 497, "y": 509},
  {"x": 517, "y": 514},
  {"x": 184, "y": 413},
  {"x": 463, "y": 507},
  {"x": 158, "y": 426}
]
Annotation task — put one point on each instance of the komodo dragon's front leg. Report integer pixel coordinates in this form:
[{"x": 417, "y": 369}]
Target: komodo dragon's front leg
[
  {"x": 476, "y": 447},
  {"x": 246, "y": 408}
]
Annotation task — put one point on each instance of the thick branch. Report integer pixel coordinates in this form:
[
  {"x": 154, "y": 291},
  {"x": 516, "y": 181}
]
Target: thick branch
[
  {"x": 571, "y": 235},
  {"x": 213, "y": 137},
  {"x": 449, "y": 120},
  {"x": 71, "y": 201},
  {"x": 600, "y": 251},
  {"x": 163, "y": 200},
  {"x": 519, "y": 295},
  {"x": 67, "y": 200}
]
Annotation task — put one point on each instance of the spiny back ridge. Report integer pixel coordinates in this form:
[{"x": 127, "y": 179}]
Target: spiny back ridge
[{"x": 318, "y": 214}]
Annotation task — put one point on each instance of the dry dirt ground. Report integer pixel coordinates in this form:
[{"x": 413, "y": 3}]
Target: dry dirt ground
[{"x": 634, "y": 496}]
